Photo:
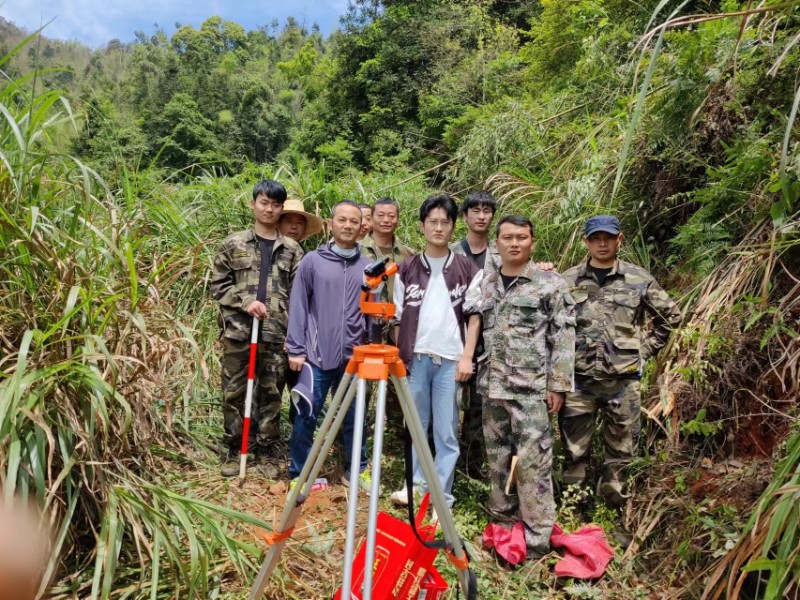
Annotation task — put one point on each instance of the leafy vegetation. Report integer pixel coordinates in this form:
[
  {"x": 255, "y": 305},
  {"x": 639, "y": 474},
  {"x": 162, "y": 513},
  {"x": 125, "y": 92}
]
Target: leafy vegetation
[{"x": 123, "y": 167}]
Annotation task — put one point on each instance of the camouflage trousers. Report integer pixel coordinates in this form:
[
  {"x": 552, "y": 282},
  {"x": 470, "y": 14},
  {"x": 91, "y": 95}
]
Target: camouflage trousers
[
  {"x": 521, "y": 428},
  {"x": 271, "y": 368},
  {"x": 471, "y": 439},
  {"x": 619, "y": 400}
]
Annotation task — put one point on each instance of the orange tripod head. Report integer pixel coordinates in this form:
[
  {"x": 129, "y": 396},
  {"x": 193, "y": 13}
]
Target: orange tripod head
[{"x": 374, "y": 275}]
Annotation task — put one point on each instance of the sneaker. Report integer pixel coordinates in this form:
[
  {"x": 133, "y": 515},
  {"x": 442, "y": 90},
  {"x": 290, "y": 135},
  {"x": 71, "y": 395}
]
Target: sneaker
[
  {"x": 364, "y": 481},
  {"x": 400, "y": 497},
  {"x": 230, "y": 468}
]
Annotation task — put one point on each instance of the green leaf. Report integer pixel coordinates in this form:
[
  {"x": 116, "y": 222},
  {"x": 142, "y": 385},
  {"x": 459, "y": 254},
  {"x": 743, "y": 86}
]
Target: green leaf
[
  {"x": 12, "y": 468},
  {"x": 759, "y": 564}
]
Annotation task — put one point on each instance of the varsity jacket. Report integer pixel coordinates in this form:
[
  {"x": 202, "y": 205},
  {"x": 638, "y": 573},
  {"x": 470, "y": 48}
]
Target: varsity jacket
[{"x": 460, "y": 274}]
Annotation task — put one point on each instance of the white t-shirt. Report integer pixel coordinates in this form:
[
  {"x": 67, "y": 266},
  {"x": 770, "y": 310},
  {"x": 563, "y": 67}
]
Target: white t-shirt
[{"x": 438, "y": 332}]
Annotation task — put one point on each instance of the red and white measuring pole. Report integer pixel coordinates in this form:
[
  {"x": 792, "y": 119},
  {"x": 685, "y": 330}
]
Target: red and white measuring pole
[{"x": 248, "y": 399}]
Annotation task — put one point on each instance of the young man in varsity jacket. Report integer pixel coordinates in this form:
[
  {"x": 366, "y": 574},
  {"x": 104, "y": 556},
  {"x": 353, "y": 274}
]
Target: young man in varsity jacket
[{"x": 435, "y": 336}]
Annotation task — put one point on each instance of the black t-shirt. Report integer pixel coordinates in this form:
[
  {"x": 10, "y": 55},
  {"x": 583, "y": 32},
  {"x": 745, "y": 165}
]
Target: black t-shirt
[
  {"x": 266, "y": 265},
  {"x": 479, "y": 258},
  {"x": 508, "y": 280},
  {"x": 601, "y": 274}
]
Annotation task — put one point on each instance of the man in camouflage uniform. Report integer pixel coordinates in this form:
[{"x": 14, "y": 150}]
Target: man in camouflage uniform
[
  {"x": 253, "y": 274},
  {"x": 478, "y": 211},
  {"x": 613, "y": 299},
  {"x": 382, "y": 242},
  {"x": 529, "y": 337}
]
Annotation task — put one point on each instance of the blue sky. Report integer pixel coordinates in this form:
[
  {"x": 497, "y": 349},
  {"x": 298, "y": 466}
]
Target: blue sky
[{"x": 94, "y": 22}]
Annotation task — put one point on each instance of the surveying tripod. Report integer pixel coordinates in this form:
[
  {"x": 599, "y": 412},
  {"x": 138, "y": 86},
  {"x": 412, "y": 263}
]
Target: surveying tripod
[{"x": 372, "y": 362}]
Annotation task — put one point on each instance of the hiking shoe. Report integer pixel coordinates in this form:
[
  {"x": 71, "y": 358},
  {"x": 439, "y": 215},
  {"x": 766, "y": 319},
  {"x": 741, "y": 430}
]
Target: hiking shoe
[
  {"x": 230, "y": 468},
  {"x": 400, "y": 497},
  {"x": 532, "y": 554},
  {"x": 364, "y": 481},
  {"x": 269, "y": 469}
]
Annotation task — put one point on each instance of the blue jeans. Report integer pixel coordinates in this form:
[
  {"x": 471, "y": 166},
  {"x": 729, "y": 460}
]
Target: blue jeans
[
  {"x": 305, "y": 423},
  {"x": 434, "y": 389}
]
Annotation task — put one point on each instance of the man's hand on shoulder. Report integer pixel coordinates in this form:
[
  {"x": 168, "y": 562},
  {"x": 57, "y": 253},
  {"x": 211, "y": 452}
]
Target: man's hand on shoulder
[
  {"x": 545, "y": 266},
  {"x": 257, "y": 309},
  {"x": 296, "y": 362},
  {"x": 555, "y": 401}
]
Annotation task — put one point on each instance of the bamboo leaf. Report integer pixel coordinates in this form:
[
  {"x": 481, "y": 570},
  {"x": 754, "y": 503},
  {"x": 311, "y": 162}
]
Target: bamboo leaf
[
  {"x": 637, "y": 111},
  {"x": 55, "y": 554},
  {"x": 14, "y": 126},
  {"x": 759, "y": 564},
  {"x": 156, "y": 571},
  {"x": 132, "y": 275},
  {"x": 12, "y": 469},
  {"x": 783, "y": 207}
]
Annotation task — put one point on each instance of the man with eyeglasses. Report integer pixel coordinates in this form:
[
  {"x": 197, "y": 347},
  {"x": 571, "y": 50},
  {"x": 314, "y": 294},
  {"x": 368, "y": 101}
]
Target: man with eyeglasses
[{"x": 436, "y": 337}]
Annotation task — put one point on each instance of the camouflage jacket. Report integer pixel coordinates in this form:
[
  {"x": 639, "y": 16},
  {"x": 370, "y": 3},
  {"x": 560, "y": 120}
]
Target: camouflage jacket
[
  {"x": 490, "y": 265},
  {"x": 492, "y": 262},
  {"x": 234, "y": 284},
  {"x": 529, "y": 335},
  {"x": 398, "y": 255},
  {"x": 610, "y": 319}
]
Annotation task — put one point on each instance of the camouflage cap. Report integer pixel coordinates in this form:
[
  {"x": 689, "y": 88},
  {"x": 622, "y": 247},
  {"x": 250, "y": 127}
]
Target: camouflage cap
[{"x": 606, "y": 223}]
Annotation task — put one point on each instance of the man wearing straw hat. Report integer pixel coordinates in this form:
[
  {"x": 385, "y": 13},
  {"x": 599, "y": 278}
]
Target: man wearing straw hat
[
  {"x": 296, "y": 223},
  {"x": 253, "y": 274}
]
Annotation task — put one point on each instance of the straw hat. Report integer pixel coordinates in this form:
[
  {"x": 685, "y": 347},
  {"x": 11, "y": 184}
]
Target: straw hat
[{"x": 313, "y": 222}]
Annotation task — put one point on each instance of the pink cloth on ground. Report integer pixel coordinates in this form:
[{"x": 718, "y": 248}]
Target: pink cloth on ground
[
  {"x": 510, "y": 544},
  {"x": 587, "y": 552}
]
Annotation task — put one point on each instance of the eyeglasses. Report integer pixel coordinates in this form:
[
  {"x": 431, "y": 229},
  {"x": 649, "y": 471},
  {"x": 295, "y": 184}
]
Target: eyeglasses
[{"x": 436, "y": 223}]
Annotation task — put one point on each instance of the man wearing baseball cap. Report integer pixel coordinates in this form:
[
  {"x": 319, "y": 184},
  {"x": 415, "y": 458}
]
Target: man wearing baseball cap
[
  {"x": 296, "y": 223},
  {"x": 614, "y": 300}
]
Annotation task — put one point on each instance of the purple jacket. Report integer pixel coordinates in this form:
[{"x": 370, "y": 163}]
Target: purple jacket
[{"x": 325, "y": 321}]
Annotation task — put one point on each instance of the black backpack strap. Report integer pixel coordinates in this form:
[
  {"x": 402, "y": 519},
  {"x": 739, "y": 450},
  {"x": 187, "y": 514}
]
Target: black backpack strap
[{"x": 433, "y": 544}]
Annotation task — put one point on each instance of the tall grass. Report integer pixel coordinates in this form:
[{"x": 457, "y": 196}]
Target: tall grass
[
  {"x": 724, "y": 233},
  {"x": 92, "y": 359},
  {"x": 770, "y": 542}
]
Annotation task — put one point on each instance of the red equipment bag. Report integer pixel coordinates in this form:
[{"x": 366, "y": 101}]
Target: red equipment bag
[
  {"x": 403, "y": 566},
  {"x": 433, "y": 586}
]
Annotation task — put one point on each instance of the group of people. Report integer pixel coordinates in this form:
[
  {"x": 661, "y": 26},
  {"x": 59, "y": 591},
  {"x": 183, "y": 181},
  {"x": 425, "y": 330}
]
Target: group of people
[{"x": 479, "y": 326}]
